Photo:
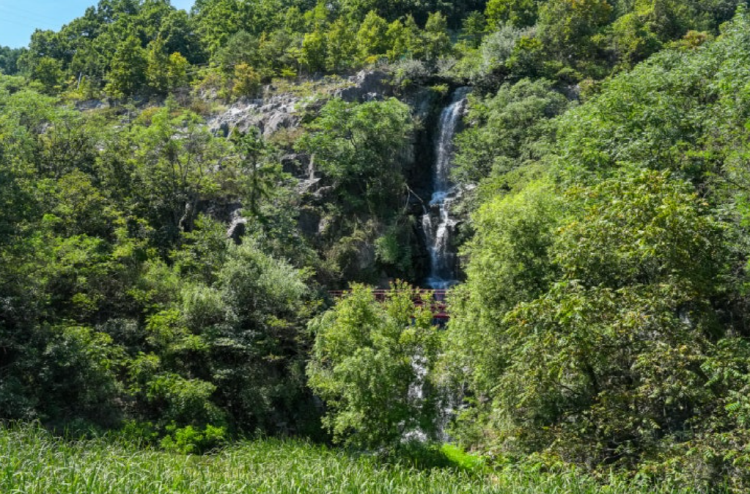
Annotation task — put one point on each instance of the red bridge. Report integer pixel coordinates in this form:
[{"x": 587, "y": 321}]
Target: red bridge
[{"x": 435, "y": 299}]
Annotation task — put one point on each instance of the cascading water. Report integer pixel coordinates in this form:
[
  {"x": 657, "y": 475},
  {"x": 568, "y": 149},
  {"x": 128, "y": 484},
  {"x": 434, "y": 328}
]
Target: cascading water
[
  {"x": 438, "y": 227},
  {"x": 437, "y": 222}
]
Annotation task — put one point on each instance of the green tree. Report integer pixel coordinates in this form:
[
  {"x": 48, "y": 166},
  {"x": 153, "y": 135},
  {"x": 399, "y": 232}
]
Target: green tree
[
  {"x": 358, "y": 146},
  {"x": 9, "y": 60},
  {"x": 313, "y": 53},
  {"x": 473, "y": 29},
  {"x": 372, "y": 38},
  {"x": 398, "y": 40},
  {"x": 157, "y": 66},
  {"x": 368, "y": 360},
  {"x": 246, "y": 81},
  {"x": 241, "y": 48},
  {"x": 589, "y": 323},
  {"x": 568, "y": 27},
  {"x": 173, "y": 174},
  {"x": 49, "y": 72},
  {"x": 127, "y": 74},
  {"x": 217, "y": 20},
  {"x": 176, "y": 29},
  {"x": 632, "y": 39},
  {"x": 510, "y": 262},
  {"x": 437, "y": 43},
  {"x": 511, "y": 129},
  {"x": 341, "y": 46},
  {"x": 250, "y": 324},
  {"x": 177, "y": 71},
  {"x": 259, "y": 167},
  {"x": 519, "y": 13},
  {"x": 626, "y": 324}
]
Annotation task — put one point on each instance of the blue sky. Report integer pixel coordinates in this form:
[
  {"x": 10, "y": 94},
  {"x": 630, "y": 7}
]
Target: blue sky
[{"x": 19, "y": 18}]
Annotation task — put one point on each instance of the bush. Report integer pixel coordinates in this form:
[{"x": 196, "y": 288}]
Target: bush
[
  {"x": 188, "y": 440},
  {"x": 246, "y": 81},
  {"x": 410, "y": 72}
]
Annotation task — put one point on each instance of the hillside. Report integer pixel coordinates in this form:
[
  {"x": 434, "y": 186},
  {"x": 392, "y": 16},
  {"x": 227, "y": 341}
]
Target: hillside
[{"x": 184, "y": 194}]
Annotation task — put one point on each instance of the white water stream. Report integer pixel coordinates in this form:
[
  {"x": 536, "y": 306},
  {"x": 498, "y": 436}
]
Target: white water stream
[{"x": 437, "y": 222}]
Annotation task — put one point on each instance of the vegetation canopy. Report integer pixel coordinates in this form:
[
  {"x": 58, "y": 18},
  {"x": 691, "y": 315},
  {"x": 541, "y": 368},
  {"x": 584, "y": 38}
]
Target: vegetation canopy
[{"x": 197, "y": 209}]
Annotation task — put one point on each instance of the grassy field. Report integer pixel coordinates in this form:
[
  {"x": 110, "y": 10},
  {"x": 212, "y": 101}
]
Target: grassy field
[{"x": 31, "y": 461}]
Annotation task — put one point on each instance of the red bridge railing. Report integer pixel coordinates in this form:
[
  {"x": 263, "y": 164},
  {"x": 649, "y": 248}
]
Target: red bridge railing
[{"x": 435, "y": 299}]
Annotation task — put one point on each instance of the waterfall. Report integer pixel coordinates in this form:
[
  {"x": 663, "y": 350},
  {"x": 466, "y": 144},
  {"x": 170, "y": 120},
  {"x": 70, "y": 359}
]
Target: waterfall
[{"x": 437, "y": 223}]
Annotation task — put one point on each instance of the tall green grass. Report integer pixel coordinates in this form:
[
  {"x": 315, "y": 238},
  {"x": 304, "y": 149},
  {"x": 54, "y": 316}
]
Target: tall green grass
[{"x": 32, "y": 461}]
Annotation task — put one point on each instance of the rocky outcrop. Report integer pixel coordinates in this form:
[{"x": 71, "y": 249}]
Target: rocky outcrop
[
  {"x": 367, "y": 85},
  {"x": 284, "y": 111},
  {"x": 280, "y": 112}
]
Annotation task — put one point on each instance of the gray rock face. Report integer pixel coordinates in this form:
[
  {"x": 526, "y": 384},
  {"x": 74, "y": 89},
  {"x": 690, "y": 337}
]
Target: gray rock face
[
  {"x": 298, "y": 165},
  {"x": 284, "y": 111},
  {"x": 368, "y": 85},
  {"x": 279, "y": 112},
  {"x": 92, "y": 104}
]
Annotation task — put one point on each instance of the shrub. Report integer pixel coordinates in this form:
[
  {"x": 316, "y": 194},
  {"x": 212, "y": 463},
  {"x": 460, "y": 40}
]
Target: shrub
[{"x": 188, "y": 440}]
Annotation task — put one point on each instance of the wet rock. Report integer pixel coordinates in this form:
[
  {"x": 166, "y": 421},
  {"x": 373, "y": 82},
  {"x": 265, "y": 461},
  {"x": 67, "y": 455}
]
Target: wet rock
[{"x": 237, "y": 226}]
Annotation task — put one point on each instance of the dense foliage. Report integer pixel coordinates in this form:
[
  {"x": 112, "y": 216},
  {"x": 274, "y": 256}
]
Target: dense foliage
[
  {"x": 33, "y": 461},
  {"x": 372, "y": 365},
  {"x": 604, "y": 321},
  {"x": 164, "y": 263}
]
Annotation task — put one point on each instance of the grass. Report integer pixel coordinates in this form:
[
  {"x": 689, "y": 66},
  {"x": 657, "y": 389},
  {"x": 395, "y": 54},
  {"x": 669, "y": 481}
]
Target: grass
[{"x": 32, "y": 461}]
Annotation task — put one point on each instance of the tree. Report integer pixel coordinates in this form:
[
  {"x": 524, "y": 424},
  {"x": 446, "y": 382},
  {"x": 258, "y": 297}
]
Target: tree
[
  {"x": 519, "y": 13},
  {"x": 473, "y": 29},
  {"x": 281, "y": 51},
  {"x": 567, "y": 27},
  {"x": 217, "y": 20},
  {"x": 177, "y": 29},
  {"x": 372, "y": 38},
  {"x": 413, "y": 41},
  {"x": 397, "y": 40},
  {"x": 49, "y": 72},
  {"x": 632, "y": 39},
  {"x": 157, "y": 66},
  {"x": 246, "y": 81},
  {"x": 437, "y": 43},
  {"x": 172, "y": 158},
  {"x": 313, "y": 54},
  {"x": 242, "y": 48},
  {"x": 9, "y": 60},
  {"x": 511, "y": 261},
  {"x": 341, "y": 46},
  {"x": 177, "y": 71},
  {"x": 259, "y": 167},
  {"x": 511, "y": 129},
  {"x": 357, "y": 145},
  {"x": 127, "y": 73},
  {"x": 372, "y": 364},
  {"x": 619, "y": 339}
]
